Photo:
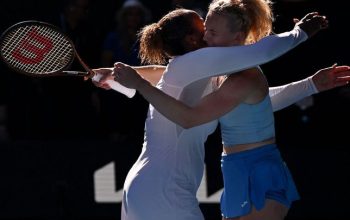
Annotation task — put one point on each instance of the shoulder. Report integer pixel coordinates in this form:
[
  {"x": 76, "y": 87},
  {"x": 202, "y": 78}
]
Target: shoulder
[
  {"x": 245, "y": 77},
  {"x": 244, "y": 83}
]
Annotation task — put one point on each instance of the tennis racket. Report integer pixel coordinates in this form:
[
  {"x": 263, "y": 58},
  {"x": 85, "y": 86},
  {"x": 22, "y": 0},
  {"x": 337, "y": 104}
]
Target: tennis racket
[{"x": 39, "y": 49}]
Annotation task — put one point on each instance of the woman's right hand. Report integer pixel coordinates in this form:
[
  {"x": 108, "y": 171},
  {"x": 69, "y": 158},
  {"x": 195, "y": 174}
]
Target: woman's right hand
[
  {"x": 102, "y": 76},
  {"x": 331, "y": 77},
  {"x": 127, "y": 76},
  {"x": 312, "y": 23}
]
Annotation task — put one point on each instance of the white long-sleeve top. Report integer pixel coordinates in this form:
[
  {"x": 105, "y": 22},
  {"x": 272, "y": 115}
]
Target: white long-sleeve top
[
  {"x": 163, "y": 182},
  {"x": 285, "y": 95}
]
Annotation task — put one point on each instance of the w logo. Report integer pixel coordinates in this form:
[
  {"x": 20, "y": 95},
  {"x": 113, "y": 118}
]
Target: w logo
[{"x": 32, "y": 48}]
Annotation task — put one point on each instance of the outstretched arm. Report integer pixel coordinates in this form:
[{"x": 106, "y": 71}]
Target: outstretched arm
[
  {"x": 152, "y": 73},
  {"x": 209, "y": 108},
  {"x": 214, "y": 61},
  {"x": 322, "y": 80}
]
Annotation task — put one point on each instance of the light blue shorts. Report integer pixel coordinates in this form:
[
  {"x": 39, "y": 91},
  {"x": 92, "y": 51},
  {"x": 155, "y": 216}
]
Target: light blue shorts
[{"x": 251, "y": 177}]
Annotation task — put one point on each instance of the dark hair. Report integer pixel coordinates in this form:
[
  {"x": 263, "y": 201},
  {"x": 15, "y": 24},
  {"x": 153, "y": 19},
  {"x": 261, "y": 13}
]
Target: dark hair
[{"x": 166, "y": 38}]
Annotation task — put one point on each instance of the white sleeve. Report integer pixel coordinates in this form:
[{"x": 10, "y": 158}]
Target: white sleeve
[
  {"x": 214, "y": 61},
  {"x": 286, "y": 95}
]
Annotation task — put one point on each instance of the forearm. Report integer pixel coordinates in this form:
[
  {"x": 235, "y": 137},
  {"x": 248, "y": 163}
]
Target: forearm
[
  {"x": 168, "y": 106},
  {"x": 286, "y": 95},
  {"x": 214, "y": 61},
  {"x": 149, "y": 69},
  {"x": 152, "y": 73}
]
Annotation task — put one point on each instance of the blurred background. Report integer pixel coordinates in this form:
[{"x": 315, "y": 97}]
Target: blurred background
[{"x": 66, "y": 145}]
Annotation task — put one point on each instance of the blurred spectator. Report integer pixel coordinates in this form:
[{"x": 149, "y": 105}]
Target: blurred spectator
[
  {"x": 59, "y": 108},
  {"x": 121, "y": 43},
  {"x": 3, "y": 103},
  {"x": 199, "y": 6},
  {"x": 75, "y": 20},
  {"x": 71, "y": 102},
  {"x": 123, "y": 118}
]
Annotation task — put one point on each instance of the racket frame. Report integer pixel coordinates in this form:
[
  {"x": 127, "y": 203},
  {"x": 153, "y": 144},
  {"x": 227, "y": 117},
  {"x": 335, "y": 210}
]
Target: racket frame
[{"x": 60, "y": 72}]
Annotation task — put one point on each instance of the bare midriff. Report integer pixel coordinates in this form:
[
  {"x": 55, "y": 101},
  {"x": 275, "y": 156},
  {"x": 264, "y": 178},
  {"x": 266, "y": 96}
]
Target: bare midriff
[{"x": 243, "y": 147}]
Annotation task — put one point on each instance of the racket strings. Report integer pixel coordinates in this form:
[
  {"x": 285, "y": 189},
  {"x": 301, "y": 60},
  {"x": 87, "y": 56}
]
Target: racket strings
[
  {"x": 9, "y": 44},
  {"x": 62, "y": 54},
  {"x": 37, "y": 49},
  {"x": 32, "y": 49},
  {"x": 13, "y": 43}
]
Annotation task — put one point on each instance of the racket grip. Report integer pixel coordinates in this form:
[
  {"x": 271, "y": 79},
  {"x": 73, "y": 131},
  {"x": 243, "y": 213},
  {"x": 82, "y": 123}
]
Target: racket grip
[{"x": 116, "y": 86}]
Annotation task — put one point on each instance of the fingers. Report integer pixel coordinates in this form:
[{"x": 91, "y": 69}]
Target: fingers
[
  {"x": 338, "y": 69},
  {"x": 103, "y": 74},
  {"x": 295, "y": 20},
  {"x": 104, "y": 86},
  {"x": 312, "y": 23},
  {"x": 116, "y": 75},
  {"x": 119, "y": 65},
  {"x": 322, "y": 21},
  {"x": 341, "y": 71},
  {"x": 310, "y": 15},
  {"x": 306, "y": 17},
  {"x": 101, "y": 85},
  {"x": 341, "y": 75},
  {"x": 118, "y": 68},
  {"x": 341, "y": 82},
  {"x": 103, "y": 71}
]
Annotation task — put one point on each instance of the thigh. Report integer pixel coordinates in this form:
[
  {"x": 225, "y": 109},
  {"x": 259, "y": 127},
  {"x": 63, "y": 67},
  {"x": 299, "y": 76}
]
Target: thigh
[{"x": 272, "y": 210}]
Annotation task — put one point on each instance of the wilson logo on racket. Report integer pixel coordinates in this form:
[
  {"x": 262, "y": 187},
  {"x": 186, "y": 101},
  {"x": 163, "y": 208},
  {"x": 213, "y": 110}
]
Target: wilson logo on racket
[
  {"x": 32, "y": 48},
  {"x": 40, "y": 49}
]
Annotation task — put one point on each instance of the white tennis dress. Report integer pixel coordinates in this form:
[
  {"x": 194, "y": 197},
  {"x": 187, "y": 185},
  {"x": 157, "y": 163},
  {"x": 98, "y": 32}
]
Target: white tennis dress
[{"x": 163, "y": 182}]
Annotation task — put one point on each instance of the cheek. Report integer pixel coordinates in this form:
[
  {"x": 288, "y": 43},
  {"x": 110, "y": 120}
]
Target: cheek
[
  {"x": 212, "y": 44},
  {"x": 222, "y": 41},
  {"x": 210, "y": 40},
  {"x": 216, "y": 42}
]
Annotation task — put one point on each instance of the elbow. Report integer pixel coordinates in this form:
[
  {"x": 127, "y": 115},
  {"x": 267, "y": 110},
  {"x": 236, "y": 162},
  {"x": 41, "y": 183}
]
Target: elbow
[
  {"x": 188, "y": 123},
  {"x": 188, "y": 119},
  {"x": 187, "y": 126},
  {"x": 271, "y": 54}
]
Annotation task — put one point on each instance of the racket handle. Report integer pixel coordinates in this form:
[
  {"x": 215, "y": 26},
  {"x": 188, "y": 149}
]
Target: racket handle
[{"x": 117, "y": 86}]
